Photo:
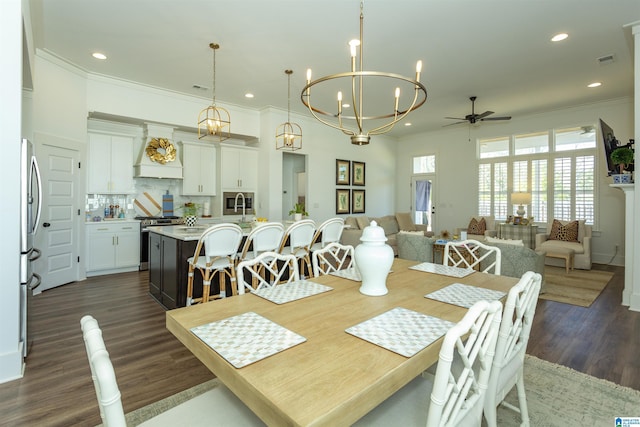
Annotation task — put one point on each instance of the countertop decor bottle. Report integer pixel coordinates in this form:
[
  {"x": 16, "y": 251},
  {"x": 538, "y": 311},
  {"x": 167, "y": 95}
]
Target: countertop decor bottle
[{"x": 374, "y": 259}]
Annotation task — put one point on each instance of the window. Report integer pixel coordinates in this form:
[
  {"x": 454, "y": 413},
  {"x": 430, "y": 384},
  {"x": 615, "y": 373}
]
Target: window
[
  {"x": 557, "y": 167},
  {"x": 424, "y": 164}
]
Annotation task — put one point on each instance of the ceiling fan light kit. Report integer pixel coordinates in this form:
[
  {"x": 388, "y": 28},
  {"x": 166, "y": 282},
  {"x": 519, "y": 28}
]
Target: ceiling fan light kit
[{"x": 474, "y": 118}]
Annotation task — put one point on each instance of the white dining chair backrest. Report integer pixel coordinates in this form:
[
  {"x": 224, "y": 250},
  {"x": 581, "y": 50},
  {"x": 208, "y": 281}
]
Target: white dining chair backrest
[
  {"x": 471, "y": 253},
  {"x": 508, "y": 363},
  {"x": 328, "y": 232},
  {"x": 266, "y": 270},
  {"x": 264, "y": 238},
  {"x": 220, "y": 240},
  {"x": 300, "y": 234},
  {"x": 332, "y": 257},
  {"x": 103, "y": 375},
  {"x": 456, "y": 395}
]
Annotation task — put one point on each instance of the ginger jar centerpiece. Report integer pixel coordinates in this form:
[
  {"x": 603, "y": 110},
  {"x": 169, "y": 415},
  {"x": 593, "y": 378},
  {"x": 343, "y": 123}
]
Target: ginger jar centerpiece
[{"x": 374, "y": 259}]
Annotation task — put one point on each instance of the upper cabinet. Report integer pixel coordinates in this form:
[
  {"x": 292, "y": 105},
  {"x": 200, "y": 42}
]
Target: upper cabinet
[
  {"x": 238, "y": 168},
  {"x": 198, "y": 169},
  {"x": 110, "y": 168}
]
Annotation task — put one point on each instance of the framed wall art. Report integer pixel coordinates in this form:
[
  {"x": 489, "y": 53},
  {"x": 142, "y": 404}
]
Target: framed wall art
[
  {"x": 342, "y": 172},
  {"x": 342, "y": 201},
  {"x": 357, "y": 173},
  {"x": 357, "y": 201}
]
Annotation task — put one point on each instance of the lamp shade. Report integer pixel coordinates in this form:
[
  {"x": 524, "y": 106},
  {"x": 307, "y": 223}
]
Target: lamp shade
[{"x": 520, "y": 198}]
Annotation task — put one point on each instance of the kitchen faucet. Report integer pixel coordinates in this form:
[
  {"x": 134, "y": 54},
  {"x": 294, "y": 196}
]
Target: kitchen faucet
[{"x": 235, "y": 206}]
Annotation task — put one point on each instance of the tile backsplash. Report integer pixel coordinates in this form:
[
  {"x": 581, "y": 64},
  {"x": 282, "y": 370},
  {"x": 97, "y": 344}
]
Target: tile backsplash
[{"x": 96, "y": 203}]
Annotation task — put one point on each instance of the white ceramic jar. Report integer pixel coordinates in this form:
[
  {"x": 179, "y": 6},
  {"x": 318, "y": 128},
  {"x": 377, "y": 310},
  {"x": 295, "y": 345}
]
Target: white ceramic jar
[{"x": 373, "y": 259}]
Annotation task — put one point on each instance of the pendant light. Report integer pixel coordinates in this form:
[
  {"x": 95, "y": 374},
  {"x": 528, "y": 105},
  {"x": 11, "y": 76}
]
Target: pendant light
[
  {"x": 288, "y": 135},
  {"x": 214, "y": 121}
]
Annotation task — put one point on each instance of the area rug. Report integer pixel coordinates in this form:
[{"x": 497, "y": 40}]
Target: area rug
[
  {"x": 579, "y": 287},
  {"x": 557, "y": 397}
]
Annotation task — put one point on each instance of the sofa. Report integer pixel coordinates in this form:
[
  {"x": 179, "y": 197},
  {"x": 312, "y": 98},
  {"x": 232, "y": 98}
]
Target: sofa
[
  {"x": 391, "y": 224},
  {"x": 515, "y": 261}
]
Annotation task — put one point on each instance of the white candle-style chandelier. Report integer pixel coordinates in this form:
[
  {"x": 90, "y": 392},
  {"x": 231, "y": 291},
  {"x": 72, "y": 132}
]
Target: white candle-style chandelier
[
  {"x": 213, "y": 120},
  {"x": 288, "y": 135},
  {"x": 381, "y": 122}
]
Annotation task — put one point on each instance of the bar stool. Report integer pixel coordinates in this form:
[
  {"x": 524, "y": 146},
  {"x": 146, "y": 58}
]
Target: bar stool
[
  {"x": 299, "y": 235},
  {"x": 264, "y": 238},
  {"x": 220, "y": 244},
  {"x": 328, "y": 232}
]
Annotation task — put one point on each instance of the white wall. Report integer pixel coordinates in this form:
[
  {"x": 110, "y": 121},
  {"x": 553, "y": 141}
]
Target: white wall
[
  {"x": 10, "y": 133},
  {"x": 456, "y": 165}
]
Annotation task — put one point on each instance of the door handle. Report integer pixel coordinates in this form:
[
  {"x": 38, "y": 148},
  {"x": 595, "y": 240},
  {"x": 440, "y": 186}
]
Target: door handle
[{"x": 46, "y": 224}]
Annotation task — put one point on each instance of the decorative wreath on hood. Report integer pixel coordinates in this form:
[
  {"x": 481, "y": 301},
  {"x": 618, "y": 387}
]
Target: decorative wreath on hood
[{"x": 167, "y": 151}]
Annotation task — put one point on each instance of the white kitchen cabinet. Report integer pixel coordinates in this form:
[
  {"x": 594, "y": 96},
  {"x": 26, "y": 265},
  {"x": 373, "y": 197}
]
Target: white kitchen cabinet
[
  {"x": 198, "y": 169},
  {"x": 112, "y": 247},
  {"x": 110, "y": 164},
  {"x": 238, "y": 168}
]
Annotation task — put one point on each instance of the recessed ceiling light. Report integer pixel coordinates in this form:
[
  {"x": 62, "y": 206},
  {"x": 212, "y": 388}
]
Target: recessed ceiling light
[
  {"x": 346, "y": 105},
  {"x": 559, "y": 37},
  {"x": 594, "y": 84},
  {"x": 248, "y": 95},
  {"x": 408, "y": 124},
  {"x": 99, "y": 55}
]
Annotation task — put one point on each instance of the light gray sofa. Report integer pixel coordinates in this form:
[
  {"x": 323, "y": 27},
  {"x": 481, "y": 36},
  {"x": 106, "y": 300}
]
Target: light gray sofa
[
  {"x": 392, "y": 224},
  {"x": 515, "y": 261}
]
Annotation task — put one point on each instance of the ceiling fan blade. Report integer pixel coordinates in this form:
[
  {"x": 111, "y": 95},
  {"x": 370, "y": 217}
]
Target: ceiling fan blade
[
  {"x": 497, "y": 118},
  {"x": 455, "y": 118},
  {"x": 456, "y": 123},
  {"x": 483, "y": 115}
]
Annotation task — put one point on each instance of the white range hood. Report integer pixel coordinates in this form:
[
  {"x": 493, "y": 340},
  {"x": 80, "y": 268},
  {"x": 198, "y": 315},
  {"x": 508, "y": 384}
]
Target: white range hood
[{"x": 148, "y": 168}]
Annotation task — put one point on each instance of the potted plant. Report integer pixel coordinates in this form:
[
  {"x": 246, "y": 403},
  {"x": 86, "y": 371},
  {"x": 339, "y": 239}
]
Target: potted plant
[
  {"x": 190, "y": 213},
  {"x": 298, "y": 211},
  {"x": 623, "y": 157}
]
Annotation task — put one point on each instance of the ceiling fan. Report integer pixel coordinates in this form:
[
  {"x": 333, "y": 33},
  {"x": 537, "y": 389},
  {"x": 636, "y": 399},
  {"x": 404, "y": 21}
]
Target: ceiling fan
[{"x": 473, "y": 117}]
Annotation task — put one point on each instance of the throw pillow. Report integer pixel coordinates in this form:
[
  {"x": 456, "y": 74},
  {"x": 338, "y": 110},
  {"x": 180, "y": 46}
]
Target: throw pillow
[
  {"x": 477, "y": 227},
  {"x": 351, "y": 222},
  {"x": 404, "y": 221},
  {"x": 565, "y": 233},
  {"x": 490, "y": 239},
  {"x": 389, "y": 224},
  {"x": 363, "y": 221}
]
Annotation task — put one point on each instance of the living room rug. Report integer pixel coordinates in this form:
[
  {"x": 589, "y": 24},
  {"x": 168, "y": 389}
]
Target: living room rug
[
  {"x": 579, "y": 287},
  {"x": 556, "y": 396}
]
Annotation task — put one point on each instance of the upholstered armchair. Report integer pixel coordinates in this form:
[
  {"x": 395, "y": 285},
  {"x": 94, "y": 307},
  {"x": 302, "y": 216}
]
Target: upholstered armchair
[
  {"x": 575, "y": 235},
  {"x": 479, "y": 227}
]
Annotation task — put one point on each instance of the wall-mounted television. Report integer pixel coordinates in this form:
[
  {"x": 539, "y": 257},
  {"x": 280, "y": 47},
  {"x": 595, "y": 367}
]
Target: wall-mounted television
[{"x": 610, "y": 143}]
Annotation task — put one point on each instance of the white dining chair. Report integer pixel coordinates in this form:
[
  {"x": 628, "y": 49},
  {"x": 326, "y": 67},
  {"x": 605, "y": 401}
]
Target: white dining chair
[
  {"x": 266, "y": 270},
  {"x": 508, "y": 363},
  {"x": 457, "y": 395},
  {"x": 220, "y": 244},
  {"x": 297, "y": 241},
  {"x": 328, "y": 232},
  {"x": 332, "y": 257},
  {"x": 470, "y": 254},
  {"x": 218, "y": 404}
]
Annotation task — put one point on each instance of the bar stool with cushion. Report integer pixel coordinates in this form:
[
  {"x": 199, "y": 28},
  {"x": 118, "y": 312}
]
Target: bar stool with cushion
[
  {"x": 220, "y": 243},
  {"x": 328, "y": 232},
  {"x": 298, "y": 237}
]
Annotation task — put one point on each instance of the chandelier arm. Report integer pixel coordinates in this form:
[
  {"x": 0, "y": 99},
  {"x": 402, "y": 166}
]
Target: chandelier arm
[
  {"x": 323, "y": 121},
  {"x": 387, "y": 127},
  {"x": 358, "y": 116}
]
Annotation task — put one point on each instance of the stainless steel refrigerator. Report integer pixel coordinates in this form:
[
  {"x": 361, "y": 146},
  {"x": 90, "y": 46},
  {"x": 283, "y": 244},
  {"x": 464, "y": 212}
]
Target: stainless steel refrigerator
[{"x": 30, "y": 209}]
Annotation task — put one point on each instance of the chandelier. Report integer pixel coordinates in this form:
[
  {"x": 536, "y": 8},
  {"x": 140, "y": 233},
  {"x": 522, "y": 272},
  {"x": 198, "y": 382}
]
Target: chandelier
[
  {"x": 381, "y": 122},
  {"x": 214, "y": 121},
  {"x": 288, "y": 135}
]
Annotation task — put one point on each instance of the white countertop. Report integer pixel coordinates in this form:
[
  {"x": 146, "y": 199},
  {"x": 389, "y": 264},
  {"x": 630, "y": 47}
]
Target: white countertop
[
  {"x": 114, "y": 221},
  {"x": 180, "y": 232}
]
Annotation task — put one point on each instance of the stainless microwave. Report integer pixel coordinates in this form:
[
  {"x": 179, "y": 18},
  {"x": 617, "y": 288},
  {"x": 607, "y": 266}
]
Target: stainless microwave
[{"x": 232, "y": 203}]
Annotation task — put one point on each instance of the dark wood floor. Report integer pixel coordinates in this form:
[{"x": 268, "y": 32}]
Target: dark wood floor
[{"x": 151, "y": 364}]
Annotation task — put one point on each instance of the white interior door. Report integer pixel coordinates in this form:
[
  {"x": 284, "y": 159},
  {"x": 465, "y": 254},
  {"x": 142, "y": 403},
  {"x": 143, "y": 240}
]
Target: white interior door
[
  {"x": 57, "y": 236},
  {"x": 423, "y": 200}
]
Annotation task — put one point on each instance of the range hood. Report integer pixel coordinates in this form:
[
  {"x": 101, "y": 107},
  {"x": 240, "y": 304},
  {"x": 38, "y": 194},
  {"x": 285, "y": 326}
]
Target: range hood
[{"x": 158, "y": 157}]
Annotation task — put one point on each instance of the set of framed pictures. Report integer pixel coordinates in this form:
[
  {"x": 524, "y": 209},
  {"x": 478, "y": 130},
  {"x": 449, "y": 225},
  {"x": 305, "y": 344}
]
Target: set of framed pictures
[{"x": 350, "y": 200}]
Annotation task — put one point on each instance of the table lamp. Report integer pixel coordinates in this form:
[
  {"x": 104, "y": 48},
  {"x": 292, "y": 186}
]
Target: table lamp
[{"x": 520, "y": 199}]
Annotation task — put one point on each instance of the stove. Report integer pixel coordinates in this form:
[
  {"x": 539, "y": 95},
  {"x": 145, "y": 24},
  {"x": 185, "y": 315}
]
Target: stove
[{"x": 152, "y": 221}]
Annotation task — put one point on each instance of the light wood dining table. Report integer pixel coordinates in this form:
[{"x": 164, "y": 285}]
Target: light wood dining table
[{"x": 333, "y": 378}]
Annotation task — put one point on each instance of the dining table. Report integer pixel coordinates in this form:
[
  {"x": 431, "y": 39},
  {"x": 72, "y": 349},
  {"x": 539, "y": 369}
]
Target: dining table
[{"x": 332, "y": 373}]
